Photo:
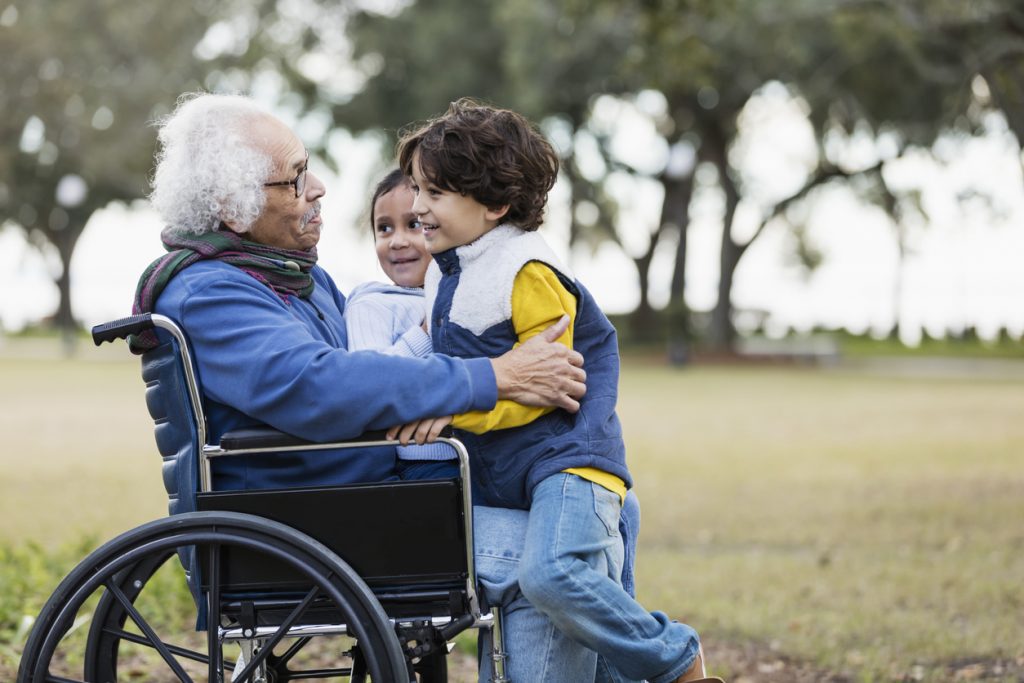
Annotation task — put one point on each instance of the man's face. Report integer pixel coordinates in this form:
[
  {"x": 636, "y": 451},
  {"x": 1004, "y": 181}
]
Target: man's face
[{"x": 287, "y": 221}]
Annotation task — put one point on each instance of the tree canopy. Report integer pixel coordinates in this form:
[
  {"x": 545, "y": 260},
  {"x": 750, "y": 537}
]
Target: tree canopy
[{"x": 900, "y": 72}]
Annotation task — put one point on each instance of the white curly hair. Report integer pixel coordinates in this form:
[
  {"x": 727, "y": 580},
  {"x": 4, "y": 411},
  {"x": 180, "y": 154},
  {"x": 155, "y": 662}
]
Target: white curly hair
[{"x": 207, "y": 168}]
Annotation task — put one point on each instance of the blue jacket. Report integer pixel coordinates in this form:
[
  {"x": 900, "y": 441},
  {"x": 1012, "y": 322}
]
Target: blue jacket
[
  {"x": 263, "y": 360},
  {"x": 470, "y": 290}
]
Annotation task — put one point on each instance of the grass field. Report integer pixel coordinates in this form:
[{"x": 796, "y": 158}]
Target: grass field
[{"x": 870, "y": 525}]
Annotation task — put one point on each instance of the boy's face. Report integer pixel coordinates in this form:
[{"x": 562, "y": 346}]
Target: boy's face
[
  {"x": 449, "y": 219},
  {"x": 398, "y": 238}
]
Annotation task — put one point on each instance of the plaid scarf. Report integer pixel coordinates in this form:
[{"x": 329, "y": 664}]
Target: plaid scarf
[{"x": 284, "y": 271}]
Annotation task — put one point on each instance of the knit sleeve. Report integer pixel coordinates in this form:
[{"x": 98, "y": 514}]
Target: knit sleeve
[
  {"x": 539, "y": 299},
  {"x": 371, "y": 324}
]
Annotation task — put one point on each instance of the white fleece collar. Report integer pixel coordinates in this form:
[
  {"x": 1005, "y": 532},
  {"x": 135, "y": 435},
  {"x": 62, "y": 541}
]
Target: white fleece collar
[{"x": 489, "y": 267}]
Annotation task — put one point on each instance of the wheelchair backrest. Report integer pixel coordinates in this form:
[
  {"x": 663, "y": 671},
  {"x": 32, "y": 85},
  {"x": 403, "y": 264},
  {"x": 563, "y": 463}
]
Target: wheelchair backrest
[
  {"x": 169, "y": 404},
  {"x": 173, "y": 403}
]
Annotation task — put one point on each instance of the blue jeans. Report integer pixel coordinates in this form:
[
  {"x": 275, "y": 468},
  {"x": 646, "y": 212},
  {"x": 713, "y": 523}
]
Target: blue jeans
[
  {"x": 530, "y": 639},
  {"x": 571, "y": 571},
  {"x": 536, "y": 650}
]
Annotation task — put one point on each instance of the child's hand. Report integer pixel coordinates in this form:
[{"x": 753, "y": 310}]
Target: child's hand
[{"x": 420, "y": 431}]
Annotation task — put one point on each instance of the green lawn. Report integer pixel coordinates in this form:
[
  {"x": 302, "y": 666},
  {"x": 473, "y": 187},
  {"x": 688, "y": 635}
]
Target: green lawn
[{"x": 869, "y": 524}]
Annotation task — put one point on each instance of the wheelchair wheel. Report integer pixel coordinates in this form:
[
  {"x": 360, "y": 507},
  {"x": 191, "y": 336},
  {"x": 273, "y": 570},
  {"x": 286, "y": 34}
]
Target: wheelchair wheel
[{"x": 123, "y": 588}]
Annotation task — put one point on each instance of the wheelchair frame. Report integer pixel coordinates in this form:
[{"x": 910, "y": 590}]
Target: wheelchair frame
[{"x": 121, "y": 568}]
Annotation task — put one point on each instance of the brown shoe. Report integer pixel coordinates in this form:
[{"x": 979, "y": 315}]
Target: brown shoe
[{"x": 696, "y": 672}]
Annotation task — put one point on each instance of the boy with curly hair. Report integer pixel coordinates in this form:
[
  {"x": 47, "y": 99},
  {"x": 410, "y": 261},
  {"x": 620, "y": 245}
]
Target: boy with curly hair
[{"x": 481, "y": 176}]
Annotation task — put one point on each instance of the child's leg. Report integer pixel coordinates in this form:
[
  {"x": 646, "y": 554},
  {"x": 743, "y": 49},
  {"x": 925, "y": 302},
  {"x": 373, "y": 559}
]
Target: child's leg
[
  {"x": 629, "y": 530},
  {"x": 536, "y": 650},
  {"x": 571, "y": 571}
]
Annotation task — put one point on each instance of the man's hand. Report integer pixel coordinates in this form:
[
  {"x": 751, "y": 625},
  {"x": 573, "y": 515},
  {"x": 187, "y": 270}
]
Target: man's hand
[
  {"x": 542, "y": 372},
  {"x": 420, "y": 431}
]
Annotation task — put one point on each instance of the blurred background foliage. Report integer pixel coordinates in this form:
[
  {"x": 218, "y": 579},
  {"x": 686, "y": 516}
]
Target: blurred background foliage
[{"x": 81, "y": 81}]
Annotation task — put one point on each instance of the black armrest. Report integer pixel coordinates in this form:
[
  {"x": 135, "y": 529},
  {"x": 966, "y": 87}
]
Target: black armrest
[
  {"x": 271, "y": 438},
  {"x": 264, "y": 437}
]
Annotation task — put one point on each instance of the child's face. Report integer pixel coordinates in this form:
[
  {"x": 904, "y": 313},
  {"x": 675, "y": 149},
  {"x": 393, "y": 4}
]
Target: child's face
[
  {"x": 398, "y": 238},
  {"x": 449, "y": 219}
]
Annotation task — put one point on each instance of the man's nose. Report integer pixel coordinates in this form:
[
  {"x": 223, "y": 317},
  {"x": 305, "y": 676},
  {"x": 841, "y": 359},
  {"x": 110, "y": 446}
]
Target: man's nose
[{"x": 315, "y": 188}]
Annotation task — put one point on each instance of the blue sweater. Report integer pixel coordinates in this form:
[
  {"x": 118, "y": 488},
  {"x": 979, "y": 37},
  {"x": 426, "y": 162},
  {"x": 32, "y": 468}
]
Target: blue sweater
[
  {"x": 470, "y": 288},
  {"x": 387, "y": 318},
  {"x": 262, "y": 360}
]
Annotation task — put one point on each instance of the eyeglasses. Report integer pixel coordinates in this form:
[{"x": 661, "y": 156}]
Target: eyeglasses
[{"x": 298, "y": 181}]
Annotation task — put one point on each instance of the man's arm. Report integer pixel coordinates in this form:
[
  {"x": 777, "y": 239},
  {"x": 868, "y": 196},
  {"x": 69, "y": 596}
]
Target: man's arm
[{"x": 276, "y": 363}]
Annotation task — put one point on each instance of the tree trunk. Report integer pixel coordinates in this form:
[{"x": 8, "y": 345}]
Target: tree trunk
[
  {"x": 64, "y": 320},
  {"x": 722, "y": 334},
  {"x": 676, "y": 211},
  {"x": 643, "y": 322}
]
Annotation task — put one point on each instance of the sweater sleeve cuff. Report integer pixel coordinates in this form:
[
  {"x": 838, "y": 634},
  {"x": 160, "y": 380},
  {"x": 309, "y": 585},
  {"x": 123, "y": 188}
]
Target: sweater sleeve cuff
[
  {"x": 417, "y": 342},
  {"x": 483, "y": 384}
]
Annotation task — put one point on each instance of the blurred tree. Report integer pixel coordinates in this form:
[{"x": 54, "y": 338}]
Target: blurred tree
[
  {"x": 554, "y": 60},
  {"x": 947, "y": 66},
  {"x": 80, "y": 83},
  {"x": 86, "y": 77},
  {"x": 900, "y": 73}
]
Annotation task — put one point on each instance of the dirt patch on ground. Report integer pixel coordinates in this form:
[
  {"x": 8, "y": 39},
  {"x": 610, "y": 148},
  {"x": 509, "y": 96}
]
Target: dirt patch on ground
[{"x": 754, "y": 663}]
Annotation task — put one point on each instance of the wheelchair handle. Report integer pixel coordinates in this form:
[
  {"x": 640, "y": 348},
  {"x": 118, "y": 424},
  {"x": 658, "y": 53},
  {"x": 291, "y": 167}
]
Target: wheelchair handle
[{"x": 121, "y": 329}]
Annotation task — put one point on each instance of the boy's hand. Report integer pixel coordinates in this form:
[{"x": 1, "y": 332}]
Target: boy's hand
[
  {"x": 420, "y": 431},
  {"x": 542, "y": 372}
]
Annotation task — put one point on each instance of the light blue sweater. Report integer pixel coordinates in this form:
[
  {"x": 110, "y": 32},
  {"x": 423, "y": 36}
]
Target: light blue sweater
[{"x": 388, "y": 318}]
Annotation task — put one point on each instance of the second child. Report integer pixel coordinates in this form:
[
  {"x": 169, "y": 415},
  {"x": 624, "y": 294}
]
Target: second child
[{"x": 388, "y": 317}]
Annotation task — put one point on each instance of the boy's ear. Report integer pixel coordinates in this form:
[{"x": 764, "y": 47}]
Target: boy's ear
[{"x": 496, "y": 213}]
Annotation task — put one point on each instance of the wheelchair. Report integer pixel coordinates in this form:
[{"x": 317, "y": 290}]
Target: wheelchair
[{"x": 352, "y": 582}]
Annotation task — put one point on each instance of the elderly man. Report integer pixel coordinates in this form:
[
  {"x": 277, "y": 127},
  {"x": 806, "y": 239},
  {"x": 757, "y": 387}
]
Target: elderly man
[{"x": 266, "y": 325}]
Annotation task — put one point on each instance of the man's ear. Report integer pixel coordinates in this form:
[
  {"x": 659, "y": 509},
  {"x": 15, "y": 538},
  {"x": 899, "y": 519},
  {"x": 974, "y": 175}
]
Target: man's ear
[
  {"x": 234, "y": 227},
  {"x": 496, "y": 213}
]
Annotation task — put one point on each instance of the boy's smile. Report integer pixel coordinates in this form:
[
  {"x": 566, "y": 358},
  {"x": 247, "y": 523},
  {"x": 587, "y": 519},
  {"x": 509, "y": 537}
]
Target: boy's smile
[{"x": 449, "y": 219}]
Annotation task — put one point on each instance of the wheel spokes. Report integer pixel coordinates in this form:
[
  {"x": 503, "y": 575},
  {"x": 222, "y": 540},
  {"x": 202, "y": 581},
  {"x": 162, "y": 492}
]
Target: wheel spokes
[
  {"x": 150, "y": 634},
  {"x": 281, "y": 632},
  {"x": 175, "y": 649}
]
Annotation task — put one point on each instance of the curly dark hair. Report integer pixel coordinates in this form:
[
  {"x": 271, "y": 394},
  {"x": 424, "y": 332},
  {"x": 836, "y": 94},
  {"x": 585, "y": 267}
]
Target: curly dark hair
[{"x": 493, "y": 155}]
